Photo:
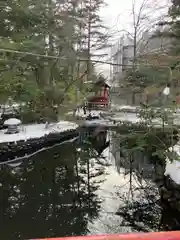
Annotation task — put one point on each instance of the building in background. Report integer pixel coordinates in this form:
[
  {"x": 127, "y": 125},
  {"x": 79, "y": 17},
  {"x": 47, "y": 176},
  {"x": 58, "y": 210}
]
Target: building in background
[{"x": 122, "y": 54}]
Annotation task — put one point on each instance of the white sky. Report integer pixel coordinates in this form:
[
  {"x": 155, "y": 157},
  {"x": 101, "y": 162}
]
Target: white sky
[{"x": 117, "y": 15}]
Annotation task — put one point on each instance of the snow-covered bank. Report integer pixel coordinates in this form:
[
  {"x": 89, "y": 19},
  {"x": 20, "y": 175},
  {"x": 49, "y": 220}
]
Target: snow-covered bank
[
  {"x": 116, "y": 107},
  {"x": 113, "y": 115},
  {"x": 173, "y": 167},
  {"x": 130, "y": 117},
  {"x": 94, "y": 113},
  {"x": 136, "y": 109},
  {"x": 37, "y": 131}
]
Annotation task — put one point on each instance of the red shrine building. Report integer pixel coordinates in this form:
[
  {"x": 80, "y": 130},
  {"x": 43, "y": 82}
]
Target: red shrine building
[{"x": 101, "y": 95}]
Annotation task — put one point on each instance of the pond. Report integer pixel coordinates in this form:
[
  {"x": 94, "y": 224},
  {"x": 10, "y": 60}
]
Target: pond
[{"x": 75, "y": 189}]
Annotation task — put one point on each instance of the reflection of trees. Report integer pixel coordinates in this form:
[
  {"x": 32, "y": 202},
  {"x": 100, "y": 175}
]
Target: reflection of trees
[
  {"x": 135, "y": 155},
  {"x": 139, "y": 207},
  {"x": 50, "y": 195},
  {"x": 144, "y": 211},
  {"x": 141, "y": 211},
  {"x": 144, "y": 208}
]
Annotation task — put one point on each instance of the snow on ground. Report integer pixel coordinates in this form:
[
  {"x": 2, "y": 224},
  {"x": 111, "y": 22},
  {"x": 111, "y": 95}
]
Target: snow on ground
[
  {"x": 131, "y": 117},
  {"x": 116, "y": 107},
  {"x": 80, "y": 112},
  {"x": 94, "y": 113},
  {"x": 173, "y": 168},
  {"x": 119, "y": 116},
  {"x": 98, "y": 122},
  {"x": 124, "y": 107},
  {"x": 114, "y": 115},
  {"x": 36, "y": 131}
]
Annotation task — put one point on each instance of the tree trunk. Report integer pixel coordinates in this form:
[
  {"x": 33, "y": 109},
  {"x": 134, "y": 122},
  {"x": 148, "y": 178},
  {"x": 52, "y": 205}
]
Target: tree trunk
[{"x": 133, "y": 98}]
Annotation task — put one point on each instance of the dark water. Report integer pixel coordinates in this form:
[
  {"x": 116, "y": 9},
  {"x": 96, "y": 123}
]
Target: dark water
[
  {"x": 72, "y": 190},
  {"x": 49, "y": 195}
]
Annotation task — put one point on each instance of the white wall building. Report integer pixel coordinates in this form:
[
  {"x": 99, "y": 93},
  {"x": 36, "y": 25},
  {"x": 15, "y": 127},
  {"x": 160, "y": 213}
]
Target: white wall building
[{"x": 123, "y": 52}]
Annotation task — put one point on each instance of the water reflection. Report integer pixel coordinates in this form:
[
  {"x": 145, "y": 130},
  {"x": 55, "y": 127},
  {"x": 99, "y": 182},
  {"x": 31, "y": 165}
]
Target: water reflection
[
  {"x": 52, "y": 194},
  {"x": 143, "y": 207},
  {"x": 141, "y": 211},
  {"x": 79, "y": 190}
]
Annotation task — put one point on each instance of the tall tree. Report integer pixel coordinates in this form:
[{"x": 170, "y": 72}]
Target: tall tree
[
  {"x": 137, "y": 41},
  {"x": 94, "y": 33},
  {"x": 67, "y": 31},
  {"x": 174, "y": 25},
  {"x": 39, "y": 28}
]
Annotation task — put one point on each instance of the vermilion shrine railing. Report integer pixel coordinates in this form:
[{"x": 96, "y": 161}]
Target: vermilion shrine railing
[{"x": 132, "y": 236}]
